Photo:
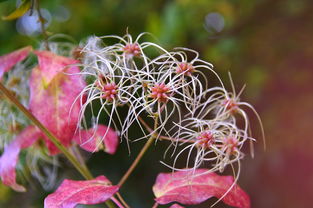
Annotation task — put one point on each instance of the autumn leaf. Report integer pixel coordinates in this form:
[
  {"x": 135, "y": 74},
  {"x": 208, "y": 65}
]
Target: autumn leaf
[
  {"x": 51, "y": 65},
  {"x": 9, "y": 60},
  {"x": 20, "y": 11},
  {"x": 194, "y": 187},
  {"x": 99, "y": 137},
  {"x": 71, "y": 193},
  {"x": 54, "y": 86},
  {"x": 9, "y": 157}
]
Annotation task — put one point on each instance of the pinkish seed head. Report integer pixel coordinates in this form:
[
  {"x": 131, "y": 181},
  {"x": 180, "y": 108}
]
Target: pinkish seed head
[
  {"x": 109, "y": 91},
  {"x": 160, "y": 92},
  {"x": 131, "y": 50},
  {"x": 231, "y": 144},
  {"x": 184, "y": 68},
  {"x": 231, "y": 105},
  {"x": 205, "y": 139}
]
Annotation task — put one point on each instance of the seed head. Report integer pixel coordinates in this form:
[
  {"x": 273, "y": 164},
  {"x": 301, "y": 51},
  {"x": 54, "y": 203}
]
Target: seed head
[
  {"x": 109, "y": 91},
  {"x": 131, "y": 50},
  {"x": 160, "y": 92},
  {"x": 230, "y": 105},
  {"x": 231, "y": 144},
  {"x": 205, "y": 139},
  {"x": 184, "y": 68}
]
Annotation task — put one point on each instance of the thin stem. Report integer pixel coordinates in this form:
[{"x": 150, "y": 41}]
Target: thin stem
[
  {"x": 117, "y": 202},
  {"x": 83, "y": 171},
  {"x": 155, "y": 205},
  {"x": 140, "y": 155},
  {"x": 136, "y": 161},
  {"x": 76, "y": 152},
  {"x": 148, "y": 128},
  {"x": 42, "y": 25},
  {"x": 119, "y": 196}
]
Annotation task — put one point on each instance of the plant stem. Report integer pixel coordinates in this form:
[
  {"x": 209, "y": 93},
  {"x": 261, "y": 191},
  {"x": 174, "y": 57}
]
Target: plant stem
[
  {"x": 117, "y": 202},
  {"x": 140, "y": 155},
  {"x": 42, "y": 25},
  {"x": 136, "y": 161},
  {"x": 83, "y": 171},
  {"x": 155, "y": 205},
  {"x": 122, "y": 200}
]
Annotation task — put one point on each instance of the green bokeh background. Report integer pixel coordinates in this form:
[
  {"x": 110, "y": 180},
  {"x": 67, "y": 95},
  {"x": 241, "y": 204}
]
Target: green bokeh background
[{"x": 265, "y": 44}]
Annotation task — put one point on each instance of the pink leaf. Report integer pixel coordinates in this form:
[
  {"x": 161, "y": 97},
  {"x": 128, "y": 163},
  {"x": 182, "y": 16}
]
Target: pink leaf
[
  {"x": 54, "y": 86},
  {"x": 9, "y": 60},
  {"x": 92, "y": 140},
  {"x": 188, "y": 187},
  {"x": 51, "y": 64},
  {"x": 71, "y": 193},
  {"x": 9, "y": 158},
  {"x": 176, "y": 206}
]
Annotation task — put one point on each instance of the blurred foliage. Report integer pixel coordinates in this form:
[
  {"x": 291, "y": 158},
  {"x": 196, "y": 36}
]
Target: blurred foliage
[{"x": 265, "y": 44}]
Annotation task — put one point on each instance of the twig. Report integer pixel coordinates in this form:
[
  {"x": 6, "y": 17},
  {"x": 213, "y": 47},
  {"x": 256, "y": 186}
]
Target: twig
[
  {"x": 119, "y": 196},
  {"x": 139, "y": 156},
  {"x": 42, "y": 25},
  {"x": 155, "y": 205}
]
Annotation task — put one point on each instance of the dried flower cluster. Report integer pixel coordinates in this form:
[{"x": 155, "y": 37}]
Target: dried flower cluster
[{"x": 163, "y": 87}]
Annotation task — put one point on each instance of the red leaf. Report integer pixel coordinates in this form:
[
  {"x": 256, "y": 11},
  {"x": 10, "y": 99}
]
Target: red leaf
[
  {"x": 51, "y": 64},
  {"x": 188, "y": 187},
  {"x": 71, "y": 193},
  {"x": 92, "y": 140},
  {"x": 9, "y": 60},
  {"x": 54, "y": 86},
  {"x": 9, "y": 158}
]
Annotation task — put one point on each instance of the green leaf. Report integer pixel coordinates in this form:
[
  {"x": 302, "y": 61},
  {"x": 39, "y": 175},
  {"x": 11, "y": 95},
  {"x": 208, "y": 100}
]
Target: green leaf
[
  {"x": 20, "y": 11},
  {"x": 3, "y": 0}
]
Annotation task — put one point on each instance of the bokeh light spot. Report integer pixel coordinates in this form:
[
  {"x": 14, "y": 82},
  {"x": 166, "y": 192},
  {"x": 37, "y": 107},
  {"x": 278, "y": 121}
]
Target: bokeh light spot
[{"x": 214, "y": 22}]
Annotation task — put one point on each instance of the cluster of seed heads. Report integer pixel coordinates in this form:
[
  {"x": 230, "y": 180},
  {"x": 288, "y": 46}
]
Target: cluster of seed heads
[{"x": 171, "y": 88}]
